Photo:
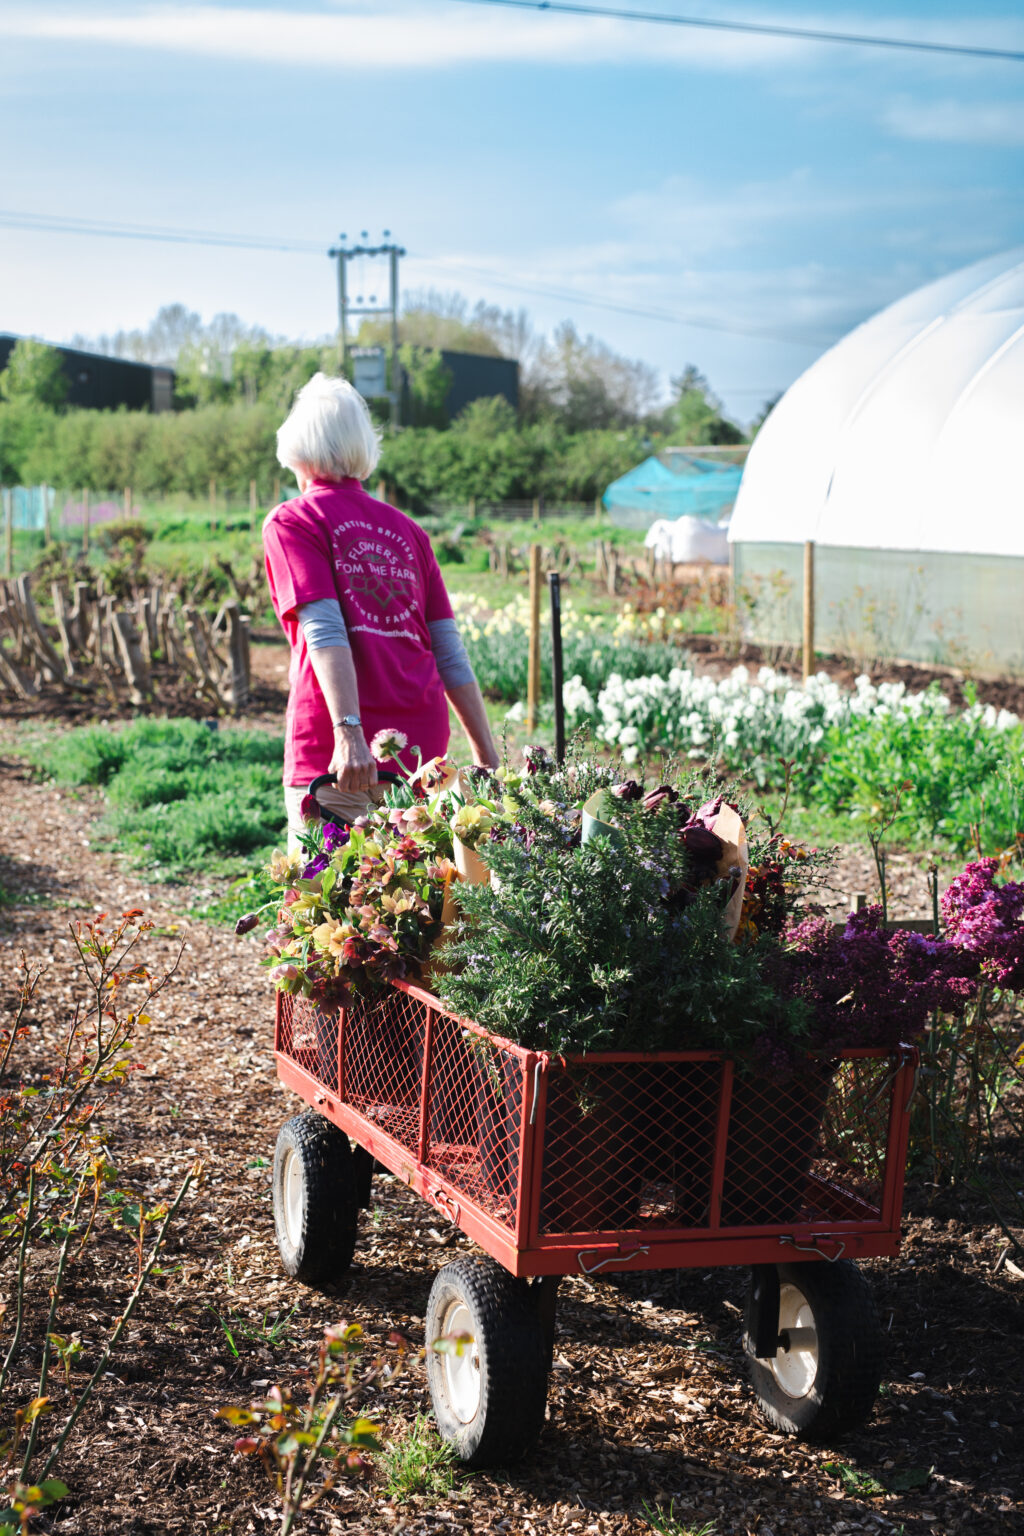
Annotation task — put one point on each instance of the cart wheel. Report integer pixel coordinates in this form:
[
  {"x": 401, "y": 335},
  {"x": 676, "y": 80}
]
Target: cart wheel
[
  {"x": 489, "y": 1397},
  {"x": 826, "y": 1382},
  {"x": 315, "y": 1199}
]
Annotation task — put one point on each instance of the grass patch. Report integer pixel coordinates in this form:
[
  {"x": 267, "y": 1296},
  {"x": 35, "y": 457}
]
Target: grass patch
[
  {"x": 418, "y": 1462},
  {"x": 180, "y": 795}
]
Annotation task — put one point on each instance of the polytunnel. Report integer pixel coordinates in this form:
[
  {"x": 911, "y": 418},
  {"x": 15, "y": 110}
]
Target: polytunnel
[{"x": 898, "y": 453}]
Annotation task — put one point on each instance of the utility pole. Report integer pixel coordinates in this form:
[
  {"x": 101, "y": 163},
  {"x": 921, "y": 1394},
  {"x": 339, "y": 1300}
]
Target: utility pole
[{"x": 343, "y": 254}]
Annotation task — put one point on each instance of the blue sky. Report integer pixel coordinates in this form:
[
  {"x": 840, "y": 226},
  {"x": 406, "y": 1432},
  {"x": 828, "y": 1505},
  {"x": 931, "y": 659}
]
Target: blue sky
[{"x": 777, "y": 191}]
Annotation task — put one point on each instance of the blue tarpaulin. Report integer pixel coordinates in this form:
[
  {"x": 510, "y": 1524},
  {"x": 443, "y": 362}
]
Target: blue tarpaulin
[{"x": 693, "y": 487}]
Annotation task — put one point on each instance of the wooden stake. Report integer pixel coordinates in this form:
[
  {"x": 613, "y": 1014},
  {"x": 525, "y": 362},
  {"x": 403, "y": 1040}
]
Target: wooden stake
[
  {"x": 213, "y": 495},
  {"x": 808, "y": 609},
  {"x": 85, "y": 521},
  {"x": 533, "y": 670},
  {"x": 127, "y": 501},
  {"x": 536, "y": 509}
]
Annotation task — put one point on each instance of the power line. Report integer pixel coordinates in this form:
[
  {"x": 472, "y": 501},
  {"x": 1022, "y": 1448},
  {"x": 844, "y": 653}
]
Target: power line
[
  {"x": 567, "y": 296},
  {"x": 760, "y": 29},
  {"x": 50, "y": 223},
  {"x": 56, "y": 224}
]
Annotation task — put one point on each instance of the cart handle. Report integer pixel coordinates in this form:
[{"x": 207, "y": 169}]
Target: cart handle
[
  {"x": 384, "y": 776},
  {"x": 814, "y": 1246}
]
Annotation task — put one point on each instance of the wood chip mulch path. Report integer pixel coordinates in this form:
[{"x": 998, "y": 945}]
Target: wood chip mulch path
[{"x": 648, "y": 1400}]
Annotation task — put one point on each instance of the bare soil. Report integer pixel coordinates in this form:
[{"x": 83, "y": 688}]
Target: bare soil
[{"x": 648, "y": 1400}]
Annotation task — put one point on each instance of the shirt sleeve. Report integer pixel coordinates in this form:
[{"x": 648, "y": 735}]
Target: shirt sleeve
[
  {"x": 298, "y": 562},
  {"x": 323, "y": 624},
  {"x": 450, "y": 653}
]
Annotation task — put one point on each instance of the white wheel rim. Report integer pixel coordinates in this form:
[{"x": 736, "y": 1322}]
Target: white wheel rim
[
  {"x": 461, "y": 1370},
  {"x": 294, "y": 1197},
  {"x": 795, "y": 1369}
]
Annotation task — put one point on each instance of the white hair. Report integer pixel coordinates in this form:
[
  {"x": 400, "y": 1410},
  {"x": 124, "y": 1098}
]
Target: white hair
[{"x": 329, "y": 432}]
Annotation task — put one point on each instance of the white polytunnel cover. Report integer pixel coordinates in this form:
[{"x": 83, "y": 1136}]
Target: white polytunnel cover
[{"x": 906, "y": 435}]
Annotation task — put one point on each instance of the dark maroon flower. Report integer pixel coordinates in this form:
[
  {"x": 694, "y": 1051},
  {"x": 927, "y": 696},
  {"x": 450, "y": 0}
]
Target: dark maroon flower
[
  {"x": 247, "y": 923},
  {"x": 701, "y": 843},
  {"x": 628, "y": 790},
  {"x": 663, "y": 795},
  {"x": 309, "y": 808}
]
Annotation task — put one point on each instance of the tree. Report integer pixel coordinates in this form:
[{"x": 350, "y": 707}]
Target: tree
[
  {"x": 695, "y": 416},
  {"x": 762, "y": 415},
  {"x": 35, "y": 375},
  {"x": 429, "y": 382}
]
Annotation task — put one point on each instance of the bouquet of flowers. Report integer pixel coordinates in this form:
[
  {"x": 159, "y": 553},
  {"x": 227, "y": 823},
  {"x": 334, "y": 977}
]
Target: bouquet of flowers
[{"x": 606, "y": 914}]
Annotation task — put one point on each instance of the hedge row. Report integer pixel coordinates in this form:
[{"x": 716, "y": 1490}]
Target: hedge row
[{"x": 181, "y": 452}]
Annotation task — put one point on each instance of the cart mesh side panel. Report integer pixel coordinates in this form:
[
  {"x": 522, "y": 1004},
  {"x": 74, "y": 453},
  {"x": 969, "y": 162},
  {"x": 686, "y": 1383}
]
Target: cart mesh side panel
[
  {"x": 309, "y": 1036},
  {"x": 683, "y": 1145},
  {"x": 475, "y": 1117},
  {"x": 384, "y": 1044},
  {"x": 628, "y": 1145}
]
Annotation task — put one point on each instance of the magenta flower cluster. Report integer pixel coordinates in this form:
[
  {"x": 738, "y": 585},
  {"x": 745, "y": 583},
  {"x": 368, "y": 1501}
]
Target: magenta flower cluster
[
  {"x": 986, "y": 920},
  {"x": 869, "y": 987}
]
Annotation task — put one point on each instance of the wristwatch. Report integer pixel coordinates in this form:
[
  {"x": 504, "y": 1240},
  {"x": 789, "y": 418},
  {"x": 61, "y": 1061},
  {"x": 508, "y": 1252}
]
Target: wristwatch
[{"x": 350, "y": 720}]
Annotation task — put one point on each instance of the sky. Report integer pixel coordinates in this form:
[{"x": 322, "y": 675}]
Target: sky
[{"x": 688, "y": 196}]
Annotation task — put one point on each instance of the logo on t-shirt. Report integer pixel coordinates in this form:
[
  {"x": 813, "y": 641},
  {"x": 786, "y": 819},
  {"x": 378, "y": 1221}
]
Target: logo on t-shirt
[{"x": 376, "y": 568}]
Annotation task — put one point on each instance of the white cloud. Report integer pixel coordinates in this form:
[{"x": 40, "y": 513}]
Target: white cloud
[
  {"x": 393, "y": 36},
  {"x": 957, "y": 122}
]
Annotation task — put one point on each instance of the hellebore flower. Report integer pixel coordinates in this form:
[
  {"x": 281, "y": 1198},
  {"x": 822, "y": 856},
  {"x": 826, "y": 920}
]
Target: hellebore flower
[
  {"x": 309, "y": 808},
  {"x": 388, "y": 743},
  {"x": 701, "y": 842},
  {"x": 247, "y": 923},
  {"x": 315, "y": 866},
  {"x": 627, "y": 791},
  {"x": 655, "y": 798},
  {"x": 335, "y": 836}
]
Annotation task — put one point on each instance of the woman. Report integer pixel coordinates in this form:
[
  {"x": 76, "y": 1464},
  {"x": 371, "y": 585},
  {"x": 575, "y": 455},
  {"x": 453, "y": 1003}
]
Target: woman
[{"x": 360, "y": 597}]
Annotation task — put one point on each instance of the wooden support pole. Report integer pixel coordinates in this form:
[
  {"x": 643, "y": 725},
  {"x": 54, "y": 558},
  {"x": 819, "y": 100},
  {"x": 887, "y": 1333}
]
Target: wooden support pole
[
  {"x": 127, "y": 501},
  {"x": 536, "y": 509},
  {"x": 7, "y": 496},
  {"x": 533, "y": 669},
  {"x": 808, "y": 609},
  {"x": 85, "y": 521}
]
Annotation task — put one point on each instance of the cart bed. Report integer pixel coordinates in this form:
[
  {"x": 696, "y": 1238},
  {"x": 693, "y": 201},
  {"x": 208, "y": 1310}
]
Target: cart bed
[{"x": 611, "y": 1160}]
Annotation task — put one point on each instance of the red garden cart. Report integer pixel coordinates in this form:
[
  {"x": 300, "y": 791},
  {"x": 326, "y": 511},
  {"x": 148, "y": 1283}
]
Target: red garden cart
[{"x": 603, "y": 1163}]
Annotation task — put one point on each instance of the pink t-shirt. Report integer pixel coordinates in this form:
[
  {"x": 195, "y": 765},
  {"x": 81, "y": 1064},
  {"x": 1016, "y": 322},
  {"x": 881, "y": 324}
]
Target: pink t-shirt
[{"x": 337, "y": 541}]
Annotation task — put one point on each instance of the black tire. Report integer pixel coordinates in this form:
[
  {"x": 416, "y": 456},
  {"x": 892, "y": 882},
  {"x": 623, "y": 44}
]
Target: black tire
[
  {"x": 489, "y": 1399},
  {"x": 822, "y": 1399},
  {"x": 315, "y": 1199}
]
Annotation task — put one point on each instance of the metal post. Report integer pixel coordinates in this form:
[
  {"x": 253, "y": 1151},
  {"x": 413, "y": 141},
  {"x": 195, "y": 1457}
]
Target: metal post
[
  {"x": 396, "y": 372},
  {"x": 808, "y": 609},
  {"x": 342, "y": 313},
  {"x": 555, "y": 582},
  {"x": 533, "y": 668}
]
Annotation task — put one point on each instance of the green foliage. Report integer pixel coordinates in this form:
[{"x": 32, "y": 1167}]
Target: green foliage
[
  {"x": 35, "y": 374},
  {"x": 429, "y": 381},
  {"x": 419, "y": 1462},
  {"x": 577, "y": 949},
  {"x": 960, "y": 774},
  {"x": 666, "y": 1522},
  {"x": 179, "y": 793},
  {"x": 695, "y": 416}
]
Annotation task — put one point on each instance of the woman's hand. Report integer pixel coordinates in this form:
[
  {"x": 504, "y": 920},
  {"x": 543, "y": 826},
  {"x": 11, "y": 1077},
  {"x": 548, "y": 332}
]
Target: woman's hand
[{"x": 353, "y": 764}]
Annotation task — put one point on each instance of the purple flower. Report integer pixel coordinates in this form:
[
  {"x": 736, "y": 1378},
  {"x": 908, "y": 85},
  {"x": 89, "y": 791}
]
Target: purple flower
[
  {"x": 247, "y": 923},
  {"x": 335, "y": 836},
  {"x": 702, "y": 843},
  {"x": 987, "y": 921},
  {"x": 315, "y": 866}
]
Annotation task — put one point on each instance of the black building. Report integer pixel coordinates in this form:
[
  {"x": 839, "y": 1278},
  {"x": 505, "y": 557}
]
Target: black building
[
  {"x": 477, "y": 377},
  {"x": 103, "y": 383}
]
